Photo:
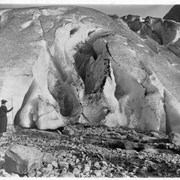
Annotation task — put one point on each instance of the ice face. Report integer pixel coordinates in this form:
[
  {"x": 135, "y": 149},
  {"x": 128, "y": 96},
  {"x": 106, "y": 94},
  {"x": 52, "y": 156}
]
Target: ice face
[{"x": 95, "y": 71}]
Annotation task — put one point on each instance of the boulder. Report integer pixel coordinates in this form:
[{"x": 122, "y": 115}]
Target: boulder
[{"x": 22, "y": 159}]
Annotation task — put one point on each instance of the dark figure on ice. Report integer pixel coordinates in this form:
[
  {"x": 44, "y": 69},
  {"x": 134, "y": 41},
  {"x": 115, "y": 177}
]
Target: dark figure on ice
[{"x": 3, "y": 117}]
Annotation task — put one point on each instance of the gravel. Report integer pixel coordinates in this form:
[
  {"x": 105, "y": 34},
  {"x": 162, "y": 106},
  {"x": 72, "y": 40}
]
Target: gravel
[{"x": 101, "y": 152}]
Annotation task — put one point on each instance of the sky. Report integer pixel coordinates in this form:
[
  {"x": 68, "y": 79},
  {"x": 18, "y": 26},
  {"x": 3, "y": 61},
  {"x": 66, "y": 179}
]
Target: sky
[
  {"x": 119, "y": 7},
  {"x": 141, "y": 10}
]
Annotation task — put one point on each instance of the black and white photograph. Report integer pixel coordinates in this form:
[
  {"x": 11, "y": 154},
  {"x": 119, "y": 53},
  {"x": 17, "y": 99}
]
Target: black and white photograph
[{"x": 89, "y": 89}]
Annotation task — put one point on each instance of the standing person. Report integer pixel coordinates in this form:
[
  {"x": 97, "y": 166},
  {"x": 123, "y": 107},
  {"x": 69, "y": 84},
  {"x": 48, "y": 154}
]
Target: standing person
[{"x": 3, "y": 116}]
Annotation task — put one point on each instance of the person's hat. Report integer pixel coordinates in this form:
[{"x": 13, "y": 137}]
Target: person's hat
[{"x": 3, "y": 101}]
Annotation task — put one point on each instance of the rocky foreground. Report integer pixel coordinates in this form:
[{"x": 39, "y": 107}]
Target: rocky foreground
[{"x": 78, "y": 151}]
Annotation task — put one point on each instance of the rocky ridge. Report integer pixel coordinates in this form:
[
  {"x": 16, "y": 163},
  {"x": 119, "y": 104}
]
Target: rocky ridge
[{"x": 165, "y": 31}]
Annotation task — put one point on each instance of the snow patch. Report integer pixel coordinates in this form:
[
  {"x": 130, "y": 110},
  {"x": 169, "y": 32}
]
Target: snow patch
[
  {"x": 53, "y": 12},
  {"x": 140, "y": 45},
  {"x": 26, "y": 24}
]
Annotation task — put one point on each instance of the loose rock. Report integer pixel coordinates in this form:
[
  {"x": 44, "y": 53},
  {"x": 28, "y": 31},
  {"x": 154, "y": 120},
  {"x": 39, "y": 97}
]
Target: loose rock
[
  {"x": 77, "y": 161},
  {"x": 68, "y": 174},
  {"x": 97, "y": 173},
  {"x": 76, "y": 172},
  {"x": 50, "y": 167},
  {"x": 86, "y": 168},
  {"x": 174, "y": 138},
  {"x": 68, "y": 131},
  {"x": 63, "y": 164},
  {"x": 55, "y": 164},
  {"x": 48, "y": 158},
  {"x": 38, "y": 173},
  {"x": 97, "y": 165},
  {"x": 62, "y": 153}
]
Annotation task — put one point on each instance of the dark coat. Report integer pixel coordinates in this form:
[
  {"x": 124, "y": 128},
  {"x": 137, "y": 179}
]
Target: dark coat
[{"x": 3, "y": 118}]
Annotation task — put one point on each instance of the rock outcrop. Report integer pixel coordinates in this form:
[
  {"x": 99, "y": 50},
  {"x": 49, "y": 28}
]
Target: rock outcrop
[
  {"x": 173, "y": 14},
  {"x": 22, "y": 159},
  {"x": 164, "y": 32},
  {"x": 85, "y": 67},
  {"x": 134, "y": 22}
]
